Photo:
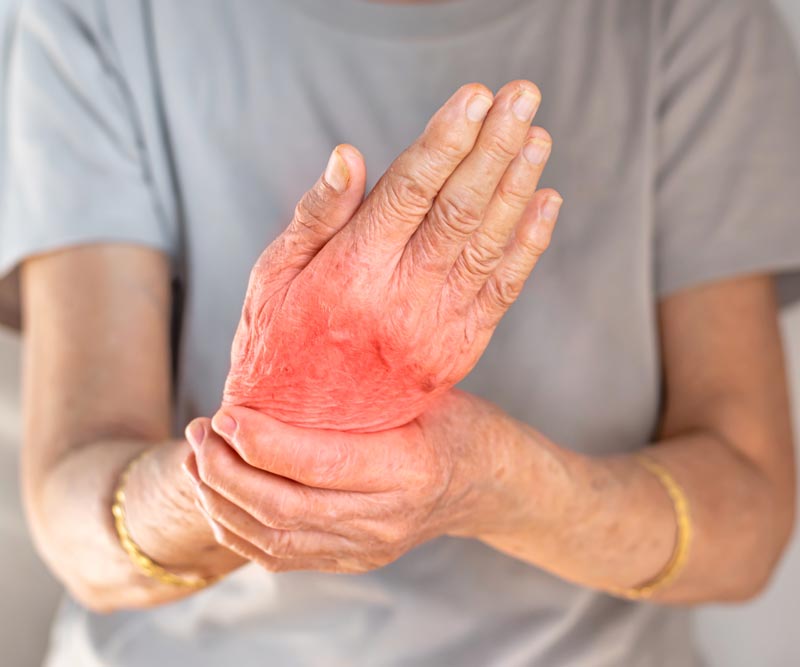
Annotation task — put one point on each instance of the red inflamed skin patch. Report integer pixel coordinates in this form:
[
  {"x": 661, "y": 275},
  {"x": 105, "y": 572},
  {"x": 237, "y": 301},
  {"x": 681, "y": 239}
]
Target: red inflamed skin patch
[{"x": 345, "y": 344}]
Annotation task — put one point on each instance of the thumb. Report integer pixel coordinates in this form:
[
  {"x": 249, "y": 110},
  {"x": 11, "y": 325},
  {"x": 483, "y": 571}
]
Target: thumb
[{"x": 325, "y": 208}]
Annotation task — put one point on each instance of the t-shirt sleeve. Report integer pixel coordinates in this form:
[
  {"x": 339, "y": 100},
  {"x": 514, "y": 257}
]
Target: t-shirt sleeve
[
  {"x": 727, "y": 198},
  {"x": 76, "y": 168}
]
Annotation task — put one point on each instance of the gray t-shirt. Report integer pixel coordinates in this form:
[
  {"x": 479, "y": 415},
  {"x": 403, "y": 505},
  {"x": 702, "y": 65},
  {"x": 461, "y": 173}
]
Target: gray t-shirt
[{"x": 195, "y": 127}]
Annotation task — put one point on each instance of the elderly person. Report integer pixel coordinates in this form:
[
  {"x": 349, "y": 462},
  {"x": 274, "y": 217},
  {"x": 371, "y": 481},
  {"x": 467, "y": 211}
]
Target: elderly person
[{"x": 623, "y": 445}]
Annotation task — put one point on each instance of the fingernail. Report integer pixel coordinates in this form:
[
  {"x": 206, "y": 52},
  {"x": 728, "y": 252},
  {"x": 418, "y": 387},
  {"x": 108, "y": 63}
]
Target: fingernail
[
  {"x": 551, "y": 208},
  {"x": 536, "y": 150},
  {"x": 478, "y": 107},
  {"x": 337, "y": 175},
  {"x": 524, "y": 106},
  {"x": 224, "y": 424},
  {"x": 195, "y": 434}
]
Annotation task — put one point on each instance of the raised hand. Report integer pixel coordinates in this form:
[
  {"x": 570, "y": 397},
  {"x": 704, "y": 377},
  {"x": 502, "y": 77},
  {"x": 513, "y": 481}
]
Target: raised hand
[{"x": 360, "y": 314}]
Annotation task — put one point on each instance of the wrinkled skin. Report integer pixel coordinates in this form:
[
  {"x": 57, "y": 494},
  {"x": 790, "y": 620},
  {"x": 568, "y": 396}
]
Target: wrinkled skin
[
  {"x": 361, "y": 314},
  {"x": 291, "y": 498}
]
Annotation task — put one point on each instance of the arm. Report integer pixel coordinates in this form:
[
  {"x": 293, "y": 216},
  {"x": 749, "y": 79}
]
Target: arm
[
  {"x": 97, "y": 323},
  {"x": 464, "y": 468},
  {"x": 97, "y": 391},
  {"x": 726, "y": 438}
]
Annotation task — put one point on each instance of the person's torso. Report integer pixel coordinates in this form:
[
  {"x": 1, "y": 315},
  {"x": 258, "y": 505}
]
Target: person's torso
[{"x": 240, "y": 103}]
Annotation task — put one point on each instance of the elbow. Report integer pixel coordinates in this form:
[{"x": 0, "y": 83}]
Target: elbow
[
  {"x": 760, "y": 569},
  {"x": 107, "y": 600},
  {"x": 750, "y": 588},
  {"x": 91, "y": 598}
]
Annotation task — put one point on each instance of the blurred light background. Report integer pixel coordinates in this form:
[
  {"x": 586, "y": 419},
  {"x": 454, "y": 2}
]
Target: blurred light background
[{"x": 762, "y": 633}]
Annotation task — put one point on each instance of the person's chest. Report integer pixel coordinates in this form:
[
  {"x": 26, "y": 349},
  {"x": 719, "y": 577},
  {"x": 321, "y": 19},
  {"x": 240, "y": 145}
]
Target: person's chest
[{"x": 256, "y": 95}]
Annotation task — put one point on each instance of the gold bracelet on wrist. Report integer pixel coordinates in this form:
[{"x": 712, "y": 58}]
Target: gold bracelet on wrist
[
  {"x": 683, "y": 538},
  {"x": 144, "y": 563}
]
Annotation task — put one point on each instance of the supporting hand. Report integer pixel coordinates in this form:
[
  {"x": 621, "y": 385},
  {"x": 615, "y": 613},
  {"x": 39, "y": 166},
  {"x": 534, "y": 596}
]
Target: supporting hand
[{"x": 292, "y": 498}]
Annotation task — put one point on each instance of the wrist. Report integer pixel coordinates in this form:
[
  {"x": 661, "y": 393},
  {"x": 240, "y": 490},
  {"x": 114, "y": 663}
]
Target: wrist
[
  {"x": 538, "y": 492},
  {"x": 518, "y": 482},
  {"x": 164, "y": 521}
]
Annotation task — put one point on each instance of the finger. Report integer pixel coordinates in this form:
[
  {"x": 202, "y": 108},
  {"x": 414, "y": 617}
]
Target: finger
[
  {"x": 195, "y": 431},
  {"x": 274, "y": 501},
  {"x": 318, "y": 458},
  {"x": 460, "y": 207},
  {"x": 243, "y": 548},
  {"x": 273, "y": 542},
  {"x": 531, "y": 239},
  {"x": 320, "y": 214},
  {"x": 484, "y": 249},
  {"x": 403, "y": 196}
]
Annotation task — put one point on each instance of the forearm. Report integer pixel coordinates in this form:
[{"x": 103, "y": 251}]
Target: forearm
[
  {"x": 608, "y": 523},
  {"x": 70, "y": 510}
]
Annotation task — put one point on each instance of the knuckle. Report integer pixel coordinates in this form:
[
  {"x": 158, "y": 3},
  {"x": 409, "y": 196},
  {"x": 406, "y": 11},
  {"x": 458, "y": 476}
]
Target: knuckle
[
  {"x": 392, "y": 534},
  {"x": 331, "y": 463},
  {"x": 504, "y": 292},
  {"x": 405, "y": 195},
  {"x": 480, "y": 259},
  {"x": 538, "y": 241},
  {"x": 500, "y": 148},
  {"x": 446, "y": 147},
  {"x": 278, "y": 512},
  {"x": 512, "y": 194},
  {"x": 307, "y": 213},
  {"x": 278, "y": 544},
  {"x": 455, "y": 214}
]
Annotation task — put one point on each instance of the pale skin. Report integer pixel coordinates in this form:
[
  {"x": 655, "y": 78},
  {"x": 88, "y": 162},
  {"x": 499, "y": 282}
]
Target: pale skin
[{"x": 289, "y": 498}]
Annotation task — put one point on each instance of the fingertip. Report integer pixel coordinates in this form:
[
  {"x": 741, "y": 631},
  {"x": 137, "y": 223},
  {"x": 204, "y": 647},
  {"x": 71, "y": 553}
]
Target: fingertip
[
  {"x": 536, "y": 226},
  {"x": 479, "y": 99},
  {"x": 356, "y": 166},
  {"x": 536, "y": 230},
  {"x": 337, "y": 173},
  {"x": 469, "y": 90},
  {"x": 537, "y": 146},
  {"x": 224, "y": 424},
  {"x": 552, "y": 204},
  {"x": 538, "y": 132},
  {"x": 471, "y": 101},
  {"x": 349, "y": 153},
  {"x": 195, "y": 433},
  {"x": 517, "y": 86}
]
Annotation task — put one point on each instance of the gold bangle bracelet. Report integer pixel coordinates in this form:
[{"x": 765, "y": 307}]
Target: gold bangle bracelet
[
  {"x": 683, "y": 539},
  {"x": 142, "y": 561}
]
